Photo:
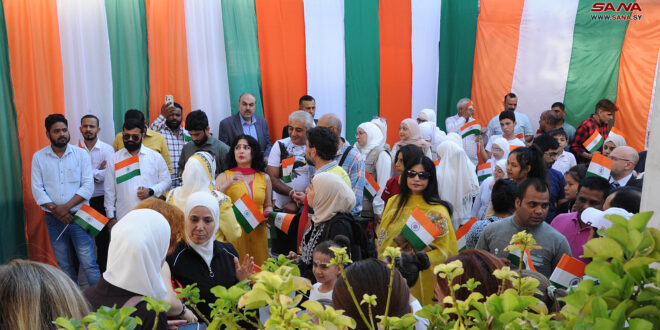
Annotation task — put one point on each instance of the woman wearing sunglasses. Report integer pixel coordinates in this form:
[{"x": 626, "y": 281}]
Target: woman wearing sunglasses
[{"x": 419, "y": 189}]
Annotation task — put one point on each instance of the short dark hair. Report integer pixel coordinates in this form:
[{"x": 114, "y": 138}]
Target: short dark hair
[
  {"x": 556, "y": 132},
  {"x": 133, "y": 123},
  {"x": 503, "y": 196},
  {"x": 550, "y": 117},
  {"x": 255, "y": 151},
  {"x": 559, "y": 105},
  {"x": 134, "y": 113},
  {"x": 305, "y": 98},
  {"x": 54, "y": 118},
  {"x": 178, "y": 106},
  {"x": 324, "y": 140},
  {"x": 545, "y": 142},
  {"x": 511, "y": 95},
  {"x": 538, "y": 184},
  {"x": 90, "y": 116},
  {"x": 577, "y": 172},
  {"x": 197, "y": 121},
  {"x": 409, "y": 152},
  {"x": 508, "y": 114},
  {"x": 627, "y": 198},
  {"x": 606, "y": 105},
  {"x": 595, "y": 183}
]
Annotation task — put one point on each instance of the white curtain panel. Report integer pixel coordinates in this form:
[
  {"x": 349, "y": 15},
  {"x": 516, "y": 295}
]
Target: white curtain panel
[{"x": 425, "y": 41}]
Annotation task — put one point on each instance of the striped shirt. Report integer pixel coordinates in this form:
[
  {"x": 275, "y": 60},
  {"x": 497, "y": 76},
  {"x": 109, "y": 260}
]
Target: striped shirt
[{"x": 175, "y": 139}]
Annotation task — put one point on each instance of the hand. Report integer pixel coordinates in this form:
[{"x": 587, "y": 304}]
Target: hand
[
  {"x": 102, "y": 166},
  {"x": 143, "y": 193},
  {"x": 111, "y": 223},
  {"x": 298, "y": 197},
  {"x": 478, "y": 139},
  {"x": 236, "y": 177},
  {"x": 587, "y": 155},
  {"x": 66, "y": 219},
  {"x": 245, "y": 270},
  {"x": 189, "y": 316},
  {"x": 166, "y": 108},
  {"x": 293, "y": 256},
  {"x": 290, "y": 207},
  {"x": 61, "y": 210},
  {"x": 174, "y": 324}
]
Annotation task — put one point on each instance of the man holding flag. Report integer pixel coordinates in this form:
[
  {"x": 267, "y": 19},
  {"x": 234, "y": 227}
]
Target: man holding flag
[
  {"x": 62, "y": 181},
  {"x": 454, "y": 123},
  {"x": 531, "y": 209},
  {"x": 586, "y": 131}
]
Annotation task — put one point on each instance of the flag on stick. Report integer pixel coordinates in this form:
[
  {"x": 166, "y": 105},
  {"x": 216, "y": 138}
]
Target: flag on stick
[
  {"x": 287, "y": 168},
  {"x": 473, "y": 127},
  {"x": 569, "y": 272},
  {"x": 461, "y": 233},
  {"x": 514, "y": 256},
  {"x": 600, "y": 166},
  {"x": 90, "y": 219},
  {"x": 247, "y": 213},
  {"x": 594, "y": 142},
  {"x": 371, "y": 187},
  {"x": 281, "y": 220},
  {"x": 616, "y": 131},
  {"x": 419, "y": 230},
  {"x": 127, "y": 169},
  {"x": 484, "y": 171}
]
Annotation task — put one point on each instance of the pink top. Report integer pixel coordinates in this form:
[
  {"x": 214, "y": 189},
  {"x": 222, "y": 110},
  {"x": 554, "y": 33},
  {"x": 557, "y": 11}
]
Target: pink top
[{"x": 569, "y": 226}]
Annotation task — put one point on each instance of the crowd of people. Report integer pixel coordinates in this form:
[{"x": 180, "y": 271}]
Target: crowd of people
[{"x": 168, "y": 194}]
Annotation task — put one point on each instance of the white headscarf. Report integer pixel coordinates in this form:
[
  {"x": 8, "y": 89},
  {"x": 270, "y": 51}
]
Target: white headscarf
[
  {"x": 331, "y": 196},
  {"x": 427, "y": 129},
  {"x": 382, "y": 125},
  {"x": 428, "y": 115},
  {"x": 504, "y": 145},
  {"x": 617, "y": 139},
  {"x": 137, "y": 249},
  {"x": 374, "y": 138},
  {"x": 457, "y": 181},
  {"x": 502, "y": 165},
  {"x": 198, "y": 175},
  {"x": 205, "y": 199},
  {"x": 455, "y": 138}
]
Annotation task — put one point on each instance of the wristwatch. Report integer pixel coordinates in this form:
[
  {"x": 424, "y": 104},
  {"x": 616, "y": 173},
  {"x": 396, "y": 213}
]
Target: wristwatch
[
  {"x": 183, "y": 310},
  {"x": 151, "y": 193}
]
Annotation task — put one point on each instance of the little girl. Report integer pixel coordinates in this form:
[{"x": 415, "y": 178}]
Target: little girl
[
  {"x": 573, "y": 178},
  {"x": 326, "y": 275}
]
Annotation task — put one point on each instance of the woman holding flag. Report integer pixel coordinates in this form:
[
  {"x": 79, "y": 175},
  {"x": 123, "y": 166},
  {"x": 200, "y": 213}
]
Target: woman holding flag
[
  {"x": 246, "y": 176},
  {"x": 419, "y": 195},
  {"x": 378, "y": 165}
]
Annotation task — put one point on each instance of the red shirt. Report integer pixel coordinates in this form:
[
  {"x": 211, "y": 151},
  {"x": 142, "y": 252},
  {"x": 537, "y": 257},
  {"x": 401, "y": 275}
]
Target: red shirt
[
  {"x": 391, "y": 188},
  {"x": 583, "y": 132}
]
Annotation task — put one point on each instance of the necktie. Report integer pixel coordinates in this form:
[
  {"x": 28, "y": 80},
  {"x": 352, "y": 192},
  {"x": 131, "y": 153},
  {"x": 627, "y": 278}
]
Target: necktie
[{"x": 615, "y": 185}]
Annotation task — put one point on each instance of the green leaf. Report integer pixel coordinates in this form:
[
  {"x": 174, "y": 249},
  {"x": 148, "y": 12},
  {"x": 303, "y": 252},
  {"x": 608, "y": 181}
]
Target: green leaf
[
  {"x": 618, "y": 233},
  {"x": 639, "y": 220},
  {"x": 602, "y": 248},
  {"x": 640, "y": 324},
  {"x": 598, "y": 308},
  {"x": 634, "y": 238},
  {"x": 602, "y": 270},
  {"x": 645, "y": 312},
  {"x": 638, "y": 262}
]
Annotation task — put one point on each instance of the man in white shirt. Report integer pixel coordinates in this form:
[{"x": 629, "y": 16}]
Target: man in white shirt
[
  {"x": 508, "y": 124},
  {"x": 524, "y": 125},
  {"x": 61, "y": 182},
  {"x": 128, "y": 181},
  {"x": 624, "y": 159},
  {"x": 100, "y": 154},
  {"x": 454, "y": 124}
]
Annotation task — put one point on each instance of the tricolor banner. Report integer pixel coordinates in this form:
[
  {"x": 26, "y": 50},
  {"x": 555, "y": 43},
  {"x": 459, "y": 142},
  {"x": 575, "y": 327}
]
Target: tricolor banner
[
  {"x": 473, "y": 127},
  {"x": 90, "y": 219},
  {"x": 287, "y": 168},
  {"x": 600, "y": 166},
  {"x": 419, "y": 230},
  {"x": 514, "y": 256},
  {"x": 484, "y": 171},
  {"x": 461, "y": 233},
  {"x": 594, "y": 142},
  {"x": 569, "y": 272},
  {"x": 127, "y": 169},
  {"x": 371, "y": 187},
  {"x": 247, "y": 213},
  {"x": 281, "y": 220}
]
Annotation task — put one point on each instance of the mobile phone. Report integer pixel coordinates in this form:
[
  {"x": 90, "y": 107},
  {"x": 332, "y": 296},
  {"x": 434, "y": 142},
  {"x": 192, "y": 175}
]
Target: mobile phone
[
  {"x": 193, "y": 326},
  {"x": 169, "y": 99}
]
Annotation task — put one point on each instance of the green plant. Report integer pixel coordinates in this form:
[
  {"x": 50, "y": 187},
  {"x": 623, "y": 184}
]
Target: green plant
[
  {"x": 190, "y": 294},
  {"x": 158, "y": 306},
  {"x": 104, "y": 318}
]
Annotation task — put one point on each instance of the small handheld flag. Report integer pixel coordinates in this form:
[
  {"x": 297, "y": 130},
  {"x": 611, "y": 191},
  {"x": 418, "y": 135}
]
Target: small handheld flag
[
  {"x": 594, "y": 142},
  {"x": 600, "y": 166},
  {"x": 514, "y": 256},
  {"x": 127, "y": 169},
  {"x": 186, "y": 137},
  {"x": 371, "y": 187},
  {"x": 484, "y": 171},
  {"x": 247, "y": 213},
  {"x": 513, "y": 147},
  {"x": 436, "y": 162},
  {"x": 473, "y": 127},
  {"x": 616, "y": 131},
  {"x": 90, "y": 219},
  {"x": 569, "y": 272},
  {"x": 461, "y": 233},
  {"x": 287, "y": 168},
  {"x": 520, "y": 135},
  {"x": 281, "y": 220},
  {"x": 419, "y": 230}
]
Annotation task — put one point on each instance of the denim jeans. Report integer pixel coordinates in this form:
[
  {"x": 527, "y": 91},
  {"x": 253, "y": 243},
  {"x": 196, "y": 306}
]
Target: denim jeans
[{"x": 73, "y": 240}]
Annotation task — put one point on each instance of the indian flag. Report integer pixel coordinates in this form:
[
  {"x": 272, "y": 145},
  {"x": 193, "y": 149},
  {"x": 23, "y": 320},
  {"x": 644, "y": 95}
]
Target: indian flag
[
  {"x": 616, "y": 131},
  {"x": 469, "y": 105},
  {"x": 514, "y": 256},
  {"x": 287, "y": 169},
  {"x": 461, "y": 234},
  {"x": 436, "y": 162},
  {"x": 512, "y": 147},
  {"x": 473, "y": 127},
  {"x": 127, "y": 169},
  {"x": 419, "y": 230},
  {"x": 484, "y": 171},
  {"x": 186, "y": 137},
  {"x": 281, "y": 220},
  {"x": 599, "y": 166},
  {"x": 521, "y": 136},
  {"x": 247, "y": 213},
  {"x": 569, "y": 272},
  {"x": 594, "y": 142},
  {"x": 90, "y": 219},
  {"x": 371, "y": 187}
]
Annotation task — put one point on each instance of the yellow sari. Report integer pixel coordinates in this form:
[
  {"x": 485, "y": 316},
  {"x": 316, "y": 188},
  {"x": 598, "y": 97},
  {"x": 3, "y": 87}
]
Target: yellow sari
[{"x": 443, "y": 247}]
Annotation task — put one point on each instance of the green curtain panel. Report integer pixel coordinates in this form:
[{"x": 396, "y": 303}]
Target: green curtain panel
[
  {"x": 361, "y": 35},
  {"x": 594, "y": 68},
  {"x": 458, "y": 34},
  {"x": 127, "y": 31},
  {"x": 12, "y": 213},
  {"x": 239, "y": 21}
]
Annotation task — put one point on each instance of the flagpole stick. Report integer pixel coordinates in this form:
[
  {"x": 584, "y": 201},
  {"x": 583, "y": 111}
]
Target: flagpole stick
[{"x": 60, "y": 235}]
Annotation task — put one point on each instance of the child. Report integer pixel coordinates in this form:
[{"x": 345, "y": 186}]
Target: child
[
  {"x": 326, "y": 275},
  {"x": 409, "y": 265},
  {"x": 565, "y": 160},
  {"x": 573, "y": 178}
]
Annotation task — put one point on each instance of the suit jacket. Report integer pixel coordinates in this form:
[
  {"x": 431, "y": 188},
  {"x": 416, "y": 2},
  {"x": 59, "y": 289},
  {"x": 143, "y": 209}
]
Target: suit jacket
[
  {"x": 231, "y": 127},
  {"x": 634, "y": 182}
]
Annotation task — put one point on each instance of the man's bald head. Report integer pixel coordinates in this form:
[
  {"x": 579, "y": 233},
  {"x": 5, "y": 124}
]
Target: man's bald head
[
  {"x": 624, "y": 159},
  {"x": 332, "y": 121},
  {"x": 626, "y": 152}
]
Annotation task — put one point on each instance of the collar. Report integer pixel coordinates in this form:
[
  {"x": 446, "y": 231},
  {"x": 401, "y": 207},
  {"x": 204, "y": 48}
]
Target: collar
[
  {"x": 243, "y": 122},
  {"x": 576, "y": 221},
  {"x": 67, "y": 151},
  {"x": 327, "y": 166},
  {"x": 141, "y": 152},
  {"x": 81, "y": 144},
  {"x": 623, "y": 181}
]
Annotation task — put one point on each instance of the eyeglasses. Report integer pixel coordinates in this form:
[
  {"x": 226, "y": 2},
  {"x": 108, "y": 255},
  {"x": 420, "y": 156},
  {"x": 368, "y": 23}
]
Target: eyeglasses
[
  {"x": 421, "y": 175},
  {"x": 615, "y": 158},
  {"x": 322, "y": 265},
  {"x": 131, "y": 137},
  {"x": 552, "y": 154}
]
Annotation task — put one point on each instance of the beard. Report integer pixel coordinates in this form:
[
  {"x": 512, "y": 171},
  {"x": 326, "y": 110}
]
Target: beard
[
  {"x": 60, "y": 142},
  {"x": 173, "y": 124},
  {"x": 132, "y": 146},
  {"x": 201, "y": 141},
  {"x": 309, "y": 161},
  {"x": 89, "y": 137}
]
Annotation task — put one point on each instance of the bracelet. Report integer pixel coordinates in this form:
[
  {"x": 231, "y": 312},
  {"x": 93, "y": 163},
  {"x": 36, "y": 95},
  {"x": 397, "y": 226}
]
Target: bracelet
[
  {"x": 183, "y": 310},
  {"x": 291, "y": 192}
]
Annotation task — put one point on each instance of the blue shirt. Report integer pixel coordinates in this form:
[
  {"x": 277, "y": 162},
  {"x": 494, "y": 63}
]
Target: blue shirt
[
  {"x": 57, "y": 179},
  {"x": 249, "y": 129},
  {"x": 557, "y": 183},
  {"x": 354, "y": 166},
  {"x": 522, "y": 125}
]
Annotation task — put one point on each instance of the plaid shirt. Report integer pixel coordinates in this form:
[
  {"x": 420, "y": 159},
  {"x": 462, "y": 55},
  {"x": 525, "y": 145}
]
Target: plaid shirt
[
  {"x": 583, "y": 132},
  {"x": 175, "y": 142},
  {"x": 354, "y": 166}
]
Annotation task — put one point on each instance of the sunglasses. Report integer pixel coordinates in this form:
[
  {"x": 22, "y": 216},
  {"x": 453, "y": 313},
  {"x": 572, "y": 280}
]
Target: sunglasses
[
  {"x": 421, "y": 175},
  {"x": 131, "y": 137},
  {"x": 322, "y": 265}
]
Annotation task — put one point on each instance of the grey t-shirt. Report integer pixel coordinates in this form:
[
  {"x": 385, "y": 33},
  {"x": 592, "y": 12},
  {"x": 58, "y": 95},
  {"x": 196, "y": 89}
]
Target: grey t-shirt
[{"x": 497, "y": 236}]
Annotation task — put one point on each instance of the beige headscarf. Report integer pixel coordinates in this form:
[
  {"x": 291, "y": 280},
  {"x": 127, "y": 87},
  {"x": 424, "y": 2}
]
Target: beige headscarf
[
  {"x": 198, "y": 175},
  {"x": 415, "y": 134},
  {"x": 331, "y": 196}
]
